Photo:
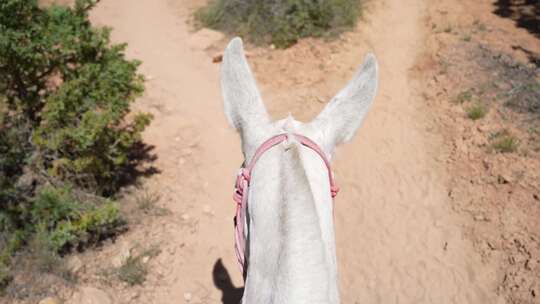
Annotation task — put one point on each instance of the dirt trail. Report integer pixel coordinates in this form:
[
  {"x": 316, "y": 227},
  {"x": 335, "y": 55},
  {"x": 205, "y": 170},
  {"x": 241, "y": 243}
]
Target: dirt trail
[{"x": 397, "y": 239}]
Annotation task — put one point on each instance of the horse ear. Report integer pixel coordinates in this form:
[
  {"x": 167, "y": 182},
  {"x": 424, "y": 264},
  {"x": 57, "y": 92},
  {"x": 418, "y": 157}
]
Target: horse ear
[
  {"x": 343, "y": 115},
  {"x": 244, "y": 107}
]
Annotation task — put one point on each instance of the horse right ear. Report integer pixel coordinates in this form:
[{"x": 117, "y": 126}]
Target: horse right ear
[
  {"x": 244, "y": 107},
  {"x": 341, "y": 118}
]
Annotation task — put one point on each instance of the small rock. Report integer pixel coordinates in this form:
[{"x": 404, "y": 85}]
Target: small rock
[
  {"x": 217, "y": 58},
  {"x": 486, "y": 164},
  {"x": 145, "y": 259},
  {"x": 187, "y": 296},
  {"x": 273, "y": 46},
  {"x": 121, "y": 257},
  {"x": 461, "y": 146},
  {"x": 134, "y": 295},
  {"x": 185, "y": 217},
  {"x": 480, "y": 218},
  {"x": 27, "y": 180},
  {"x": 207, "y": 210},
  {"x": 504, "y": 179},
  {"x": 49, "y": 300},
  {"x": 74, "y": 264},
  {"x": 90, "y": 295},
  {"x": 171, "y": 250},
  {"x": 482, "y": 128},
  {"x": 528, "y": 264}
]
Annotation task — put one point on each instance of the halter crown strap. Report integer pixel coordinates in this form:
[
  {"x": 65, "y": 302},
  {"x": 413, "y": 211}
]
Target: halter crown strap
[{"x": 242, "y": 184}]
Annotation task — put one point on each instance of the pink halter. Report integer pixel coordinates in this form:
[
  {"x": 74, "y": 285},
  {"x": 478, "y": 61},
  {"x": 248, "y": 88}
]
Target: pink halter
[{"x": 240, "y": 195}]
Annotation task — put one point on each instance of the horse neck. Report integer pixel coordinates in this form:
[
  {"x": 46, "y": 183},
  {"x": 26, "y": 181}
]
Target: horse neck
[{"x": 291, "y": 250}]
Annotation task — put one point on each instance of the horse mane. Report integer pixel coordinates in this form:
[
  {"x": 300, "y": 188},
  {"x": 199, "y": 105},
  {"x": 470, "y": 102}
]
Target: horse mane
[{"x": 302, "y": 274}]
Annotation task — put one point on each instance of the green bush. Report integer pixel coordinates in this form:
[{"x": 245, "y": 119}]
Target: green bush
[
  {"x": 281, "y": 22},
  {"x": 66, "y": 131},
  {"x": 71, "y": 90},
  {"x": 504, "y": 142},
  {"x": 134, "y": 270},
  {"x": 476, "y": 111},
  {"x": 66, "y": 221}
]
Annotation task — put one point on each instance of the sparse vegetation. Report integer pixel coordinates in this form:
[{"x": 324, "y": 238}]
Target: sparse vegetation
[
  {"x": 444, "y": 65},
  {"x": 504, "y": 142},
  {"x": 498, "y": 70},
  {"x": 448, "y": 29},
  {"x": 65, "y": 140},
  {"x": 482, "y": 27},
  {"x": 464, "y": 96},
  {"x": 280, "y": 22},
  {"x": 525, "y": 97},
  {"x": 479, "y": 25},
  {"x": 134, "y": 269},
  {"x": 476, "y": 111},
  {"x": 147, "y": 202}
]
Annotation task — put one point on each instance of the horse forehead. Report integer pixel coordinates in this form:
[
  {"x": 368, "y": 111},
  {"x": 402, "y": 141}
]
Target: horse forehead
[{"x": 289, "y": 124}]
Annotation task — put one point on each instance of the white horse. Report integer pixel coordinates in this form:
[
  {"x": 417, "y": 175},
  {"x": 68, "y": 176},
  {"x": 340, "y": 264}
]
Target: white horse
[{"x": 290, "y": 250}]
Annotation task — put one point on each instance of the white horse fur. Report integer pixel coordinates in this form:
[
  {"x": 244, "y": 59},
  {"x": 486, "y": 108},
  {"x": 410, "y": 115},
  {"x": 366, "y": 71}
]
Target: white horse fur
[{"x": 291, "y": 252}]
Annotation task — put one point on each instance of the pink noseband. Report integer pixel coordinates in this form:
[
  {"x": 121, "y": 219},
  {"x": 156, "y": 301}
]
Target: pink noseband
[{"x": 240, "y": 195}]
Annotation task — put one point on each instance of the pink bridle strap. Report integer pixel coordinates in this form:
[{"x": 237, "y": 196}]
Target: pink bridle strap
[{"x": 240, "y": 195}]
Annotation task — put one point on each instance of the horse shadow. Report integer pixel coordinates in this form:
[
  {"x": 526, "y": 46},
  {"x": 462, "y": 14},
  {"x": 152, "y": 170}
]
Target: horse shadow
[
  {"x": 222, "y": 280},
  {"x": 526, "y": 14}
]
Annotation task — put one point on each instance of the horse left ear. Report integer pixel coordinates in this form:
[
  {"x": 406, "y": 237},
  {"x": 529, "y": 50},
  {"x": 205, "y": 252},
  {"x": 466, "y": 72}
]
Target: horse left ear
[
  {"x": 341, "y": 118},
  {"x": 244, "y": 107}
]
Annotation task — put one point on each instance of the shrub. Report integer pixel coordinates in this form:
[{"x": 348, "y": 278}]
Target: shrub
[
  {"x": 134, "y": 270},
  {"x": 66, "y": 132},
  {"x": 504, "y": 142},
  {"x": 281, "y": 22},
  {"x": 525, "y": 98},
  {"x": 68, "y": 222},
  {"x": 62, "y": 81},
  {"x": 476, "y": 111},
  {"x": 464, "y": 96}
]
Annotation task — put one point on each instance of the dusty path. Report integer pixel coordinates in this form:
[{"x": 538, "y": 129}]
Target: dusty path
[{"x": 397, "y": 240}]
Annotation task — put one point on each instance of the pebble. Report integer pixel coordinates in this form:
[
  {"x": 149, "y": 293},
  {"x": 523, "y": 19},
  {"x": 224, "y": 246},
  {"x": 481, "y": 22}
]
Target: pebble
[
  {"x": 122, "y": 256},
  {"x": 480, "y": 218},
  {"x": 207, "y": 210},
  {"x": 90, "y": 295},
  {"x": 74, "y": 264},
  {"x": 187, "y": 296},
  {"x": 49, "y": 300}
]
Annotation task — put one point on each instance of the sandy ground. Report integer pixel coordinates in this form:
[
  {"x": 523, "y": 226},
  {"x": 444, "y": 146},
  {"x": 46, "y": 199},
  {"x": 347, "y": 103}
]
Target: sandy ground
[
  {"x": 471, "y": 49},
  {"x": 396, "y": 238}
]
